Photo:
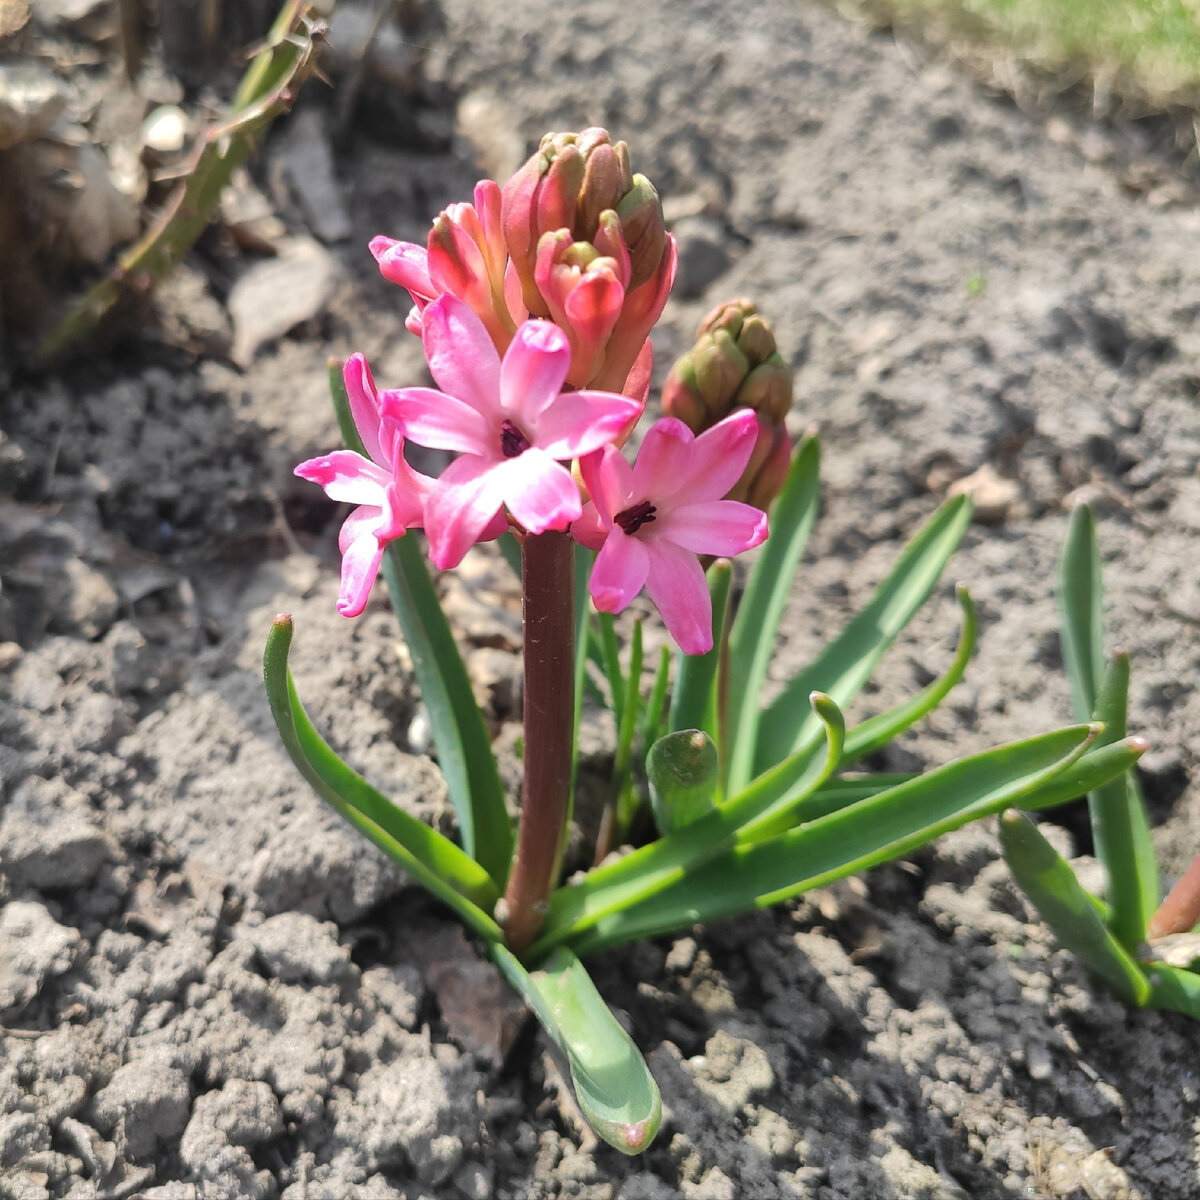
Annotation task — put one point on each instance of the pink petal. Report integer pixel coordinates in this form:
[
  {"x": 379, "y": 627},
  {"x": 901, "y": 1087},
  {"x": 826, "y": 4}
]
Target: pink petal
[
  {"x": 461, "y": 508},
  {"x": 609, "y": 481},
  {"x": 676, "y": 585},
  {"x": 580, "y": 422},
  {"x": 460, "y": 353},
  {"x": 619, "y": 572},
  {"x": 533, "y": 370},
  {"x": 512, "y": 295},
  {"x": 361, "y": 556},
  {"x": 539, "y": 492},
  {"x": 404, "y": 263},
  {"x": 672, "y": 464},
  {"x": 364, "y": 404},
  {"x": 403, "y": 509},
  {"x": 347, "y": 476},
  {"x": 432, "y": 418},
  {"x": 589, "y": 530},
  {"x": 723, "y": 527},
  {"x": 637, "y": 382},
  {"x": 456, "y": 263}
]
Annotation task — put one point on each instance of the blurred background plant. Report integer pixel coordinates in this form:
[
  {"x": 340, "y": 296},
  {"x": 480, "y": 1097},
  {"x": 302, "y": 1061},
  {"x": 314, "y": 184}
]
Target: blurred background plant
[{"x": 1143, "y": 53}]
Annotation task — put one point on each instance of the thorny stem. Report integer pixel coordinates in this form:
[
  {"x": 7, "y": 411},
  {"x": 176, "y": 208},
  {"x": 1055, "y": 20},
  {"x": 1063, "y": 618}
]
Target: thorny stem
[{"x": 548, "y": 578}]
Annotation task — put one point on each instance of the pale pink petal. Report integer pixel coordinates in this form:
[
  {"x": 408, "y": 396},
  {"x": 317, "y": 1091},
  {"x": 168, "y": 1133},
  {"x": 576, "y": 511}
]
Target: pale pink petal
[
  {"x": 580, "y": 422},
  {"x": 723, "y": 527},
  {"x": 662, "y": 457},
  {"x": 364, "y": 404},
  {"x": 347, "y": 476},
  {"x": 361, "y": 556},
  {"x": 609, "y": 481},
  {"x": 406, "y": 264},
  {"x": 443, "y": 422},
  {"x": 461, "y": 508},
  {"x": 403, "y": 509},
  {"x": 533, "y": 371},
  {"x": 539, "y": 492},
  {"x": 673, "y": 464},
  {"x": 619, "y": 572},
  {"x": 460, "y": 353},
  {"x": 675, "y": 581},
  {"x": 589, "y": 530}
]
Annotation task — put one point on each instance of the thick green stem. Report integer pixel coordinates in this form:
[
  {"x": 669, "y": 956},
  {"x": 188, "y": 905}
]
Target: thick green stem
[{"x": 547, "y": 575}]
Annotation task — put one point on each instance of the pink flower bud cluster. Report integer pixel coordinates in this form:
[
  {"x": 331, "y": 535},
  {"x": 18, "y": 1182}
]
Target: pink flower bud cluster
[{"x": 534, "y": 305}]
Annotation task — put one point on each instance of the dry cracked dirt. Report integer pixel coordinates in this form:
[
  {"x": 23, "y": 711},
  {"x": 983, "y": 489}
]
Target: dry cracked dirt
[{"x": 209, "y": 988}]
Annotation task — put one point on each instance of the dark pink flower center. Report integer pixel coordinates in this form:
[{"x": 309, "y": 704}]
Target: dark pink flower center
[
  {"x": 512, "y": 440},
  {"x": 634, "y": 517}
]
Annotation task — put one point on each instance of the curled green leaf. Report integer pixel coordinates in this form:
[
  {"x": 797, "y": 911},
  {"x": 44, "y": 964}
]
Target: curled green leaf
[
  {"x": 683, "y": 771},
  {"x": 613, "y": 1085}
]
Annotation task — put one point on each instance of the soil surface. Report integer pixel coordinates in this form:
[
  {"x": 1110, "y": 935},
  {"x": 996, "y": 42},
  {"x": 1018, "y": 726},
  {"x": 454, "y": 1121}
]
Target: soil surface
[{"x": 210, "y": 988}]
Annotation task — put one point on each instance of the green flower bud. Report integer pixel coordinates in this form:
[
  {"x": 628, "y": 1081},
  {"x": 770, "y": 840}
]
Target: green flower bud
[{"x": 734, "y": 363}]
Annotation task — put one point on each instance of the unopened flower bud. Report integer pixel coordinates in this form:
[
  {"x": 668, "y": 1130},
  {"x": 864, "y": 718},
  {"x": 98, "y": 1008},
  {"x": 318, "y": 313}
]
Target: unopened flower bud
[
  {"x": 734, "y": 363},
  {"x": 572, "y": 180},
  {"x": 767, "y": 470},
  {"x": 640, "y": 211}
]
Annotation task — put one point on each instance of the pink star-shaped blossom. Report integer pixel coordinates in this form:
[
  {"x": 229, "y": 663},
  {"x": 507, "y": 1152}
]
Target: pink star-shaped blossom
[
  {"x": 509, "y": 420},
  {"x": 390, "y": 495},
  {"x": 651, "y": 521}
]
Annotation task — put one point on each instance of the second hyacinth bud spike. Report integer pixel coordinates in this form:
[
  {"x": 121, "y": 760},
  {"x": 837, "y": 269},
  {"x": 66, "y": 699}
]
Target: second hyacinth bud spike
[{"x": 735, "y": 363}]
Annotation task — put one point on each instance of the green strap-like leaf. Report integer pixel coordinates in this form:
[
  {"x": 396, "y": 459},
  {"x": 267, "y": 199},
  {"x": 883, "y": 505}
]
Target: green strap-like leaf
[
  {"x": 1047, "y": 879},
  {"x": 683, "y": 772},
  {"x": 1120, "y": 826},
  {"x": 842, "y": 668},
  {"x": 464, "y": 750},
  {"x": 613, "y": 1085},
  {"x": 780, "y": 816},
  {"x": 694, "y": 700},
  {"x": 624, "y": 881},
  {"x": 882, "y": 827},
  {"x": 752, "y": 637},
  {"x": 431, "y": 859},
  {"x": 873, "y": 734},
  {"x": 1174, "y": 988},
  {"x": 1081, "y": 601}
]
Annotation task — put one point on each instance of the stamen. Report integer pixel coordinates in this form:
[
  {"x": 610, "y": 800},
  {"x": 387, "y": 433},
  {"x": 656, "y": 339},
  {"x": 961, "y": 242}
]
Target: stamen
[
  {"x": 512, "y": 440},
  {"x": 632, "y": 519}
]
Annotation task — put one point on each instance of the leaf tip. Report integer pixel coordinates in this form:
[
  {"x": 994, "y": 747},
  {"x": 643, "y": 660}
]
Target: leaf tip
[
  {"x": 1138, "y": 744},
  {"x": 282, "y": 621},
  {"x": 635, "y": 1136}
]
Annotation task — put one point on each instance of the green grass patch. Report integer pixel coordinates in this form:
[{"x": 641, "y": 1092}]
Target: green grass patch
[{"x": 1145, "y": 51}]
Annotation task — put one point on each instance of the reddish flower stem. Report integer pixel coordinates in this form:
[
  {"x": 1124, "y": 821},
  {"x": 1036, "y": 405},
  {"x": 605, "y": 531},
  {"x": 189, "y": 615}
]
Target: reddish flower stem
[{"x": 548, "y": 578}]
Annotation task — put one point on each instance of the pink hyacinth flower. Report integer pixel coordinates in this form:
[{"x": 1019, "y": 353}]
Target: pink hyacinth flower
[
  {"x": 509, "y": 420},
  {"x": 390, "y": 495},
  {"x": 652, "y": 520}
]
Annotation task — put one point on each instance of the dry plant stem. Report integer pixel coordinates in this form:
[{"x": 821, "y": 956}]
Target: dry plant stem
[
  {"x": 1180, "y": 911},
  {"x": 548, "y": 579},
  {"x": 268, "y": 89}
]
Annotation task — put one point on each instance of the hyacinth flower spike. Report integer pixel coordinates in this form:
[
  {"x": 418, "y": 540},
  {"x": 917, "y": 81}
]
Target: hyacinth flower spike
[
  {"x": 509, "y": 420},
  {"x": 389, "y": 494},
  {"x": 650, "y": 522}
]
